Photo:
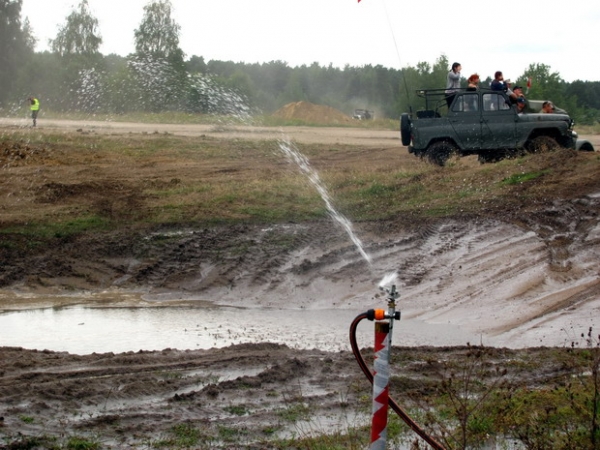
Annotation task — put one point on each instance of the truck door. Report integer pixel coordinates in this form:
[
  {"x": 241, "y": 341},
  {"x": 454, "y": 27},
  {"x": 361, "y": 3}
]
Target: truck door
[
  {"x": 465, "y": 118},
  {"x": 498, "y": 125}
]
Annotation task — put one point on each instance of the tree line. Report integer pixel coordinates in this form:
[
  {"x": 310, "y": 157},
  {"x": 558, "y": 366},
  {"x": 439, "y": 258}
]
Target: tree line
[{"x": 75, "y": 77}]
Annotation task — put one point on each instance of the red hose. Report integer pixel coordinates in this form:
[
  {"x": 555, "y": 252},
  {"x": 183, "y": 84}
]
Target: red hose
[{"x": 391, "y": 402}]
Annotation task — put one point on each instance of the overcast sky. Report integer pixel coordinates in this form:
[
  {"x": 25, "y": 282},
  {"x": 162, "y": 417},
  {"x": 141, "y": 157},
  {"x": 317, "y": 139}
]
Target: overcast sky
[{"x": 483, "y": 36}]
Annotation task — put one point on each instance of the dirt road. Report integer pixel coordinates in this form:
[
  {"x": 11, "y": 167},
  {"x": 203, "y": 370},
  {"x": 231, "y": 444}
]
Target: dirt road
[{"x": 309, "y": 135}]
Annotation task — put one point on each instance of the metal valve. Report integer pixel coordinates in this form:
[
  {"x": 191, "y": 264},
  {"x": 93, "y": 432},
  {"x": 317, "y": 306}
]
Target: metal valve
[{"x": 392, "y": 293}]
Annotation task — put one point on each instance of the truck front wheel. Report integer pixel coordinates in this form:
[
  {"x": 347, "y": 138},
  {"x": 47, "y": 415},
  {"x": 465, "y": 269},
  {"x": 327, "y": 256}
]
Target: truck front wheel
[
  {"x": 440, "y": 152},
  {"x": 542, "y": 144}
]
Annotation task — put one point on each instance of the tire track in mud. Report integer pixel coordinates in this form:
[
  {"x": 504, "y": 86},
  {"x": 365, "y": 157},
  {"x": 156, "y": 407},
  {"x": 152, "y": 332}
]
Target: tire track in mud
[
  {"x": 134, "y": 396},
  {"x": 569, "y": 232},
  {"x": 201, "y": 260},
  {"x": 251, "y": 257},
  {"x": 518, "y": 281},
  {"x": 412, "y": 270},
  {"x": 545, "y": 308},
  {"x": 470, "y": 251},
  {"x": 435, "y": 249},
  {"x": 129, "y": 369},
  {"x": 564, "y": 227},
  {"x": 134, "y": 400}
]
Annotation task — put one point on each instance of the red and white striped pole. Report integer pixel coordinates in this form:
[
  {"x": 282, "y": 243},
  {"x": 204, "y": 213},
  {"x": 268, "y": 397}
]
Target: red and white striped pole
[
  {"x": 381, "y": 383},
  {"x": 380, "y": 376}
]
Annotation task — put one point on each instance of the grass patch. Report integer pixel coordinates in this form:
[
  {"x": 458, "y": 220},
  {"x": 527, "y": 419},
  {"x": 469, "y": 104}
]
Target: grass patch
[
  {"x": 183, "y": 435},
  {"x": 79, "y": 443},
  {"x": 104, "y": 182},
  {"x": 64, "y": 229},
  {"x": 519, "y": 178},
  {"x": 352, "y": 439},
  {"x": 231, "y": 434},
  {"x": 236, "y": 410},
  {"x": 295, "y": 412}
]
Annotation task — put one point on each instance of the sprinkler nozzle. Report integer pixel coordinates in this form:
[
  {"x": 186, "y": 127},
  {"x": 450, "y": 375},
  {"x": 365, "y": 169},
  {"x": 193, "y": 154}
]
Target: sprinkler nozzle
[{"x": 392, "y": 293}]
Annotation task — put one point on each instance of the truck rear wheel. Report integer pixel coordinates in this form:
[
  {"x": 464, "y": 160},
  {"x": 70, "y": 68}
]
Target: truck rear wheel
[
  {"x": 405, "y": 129},
  {"x": 542, "y": 144},
  {"x": 440, "y": 152}
]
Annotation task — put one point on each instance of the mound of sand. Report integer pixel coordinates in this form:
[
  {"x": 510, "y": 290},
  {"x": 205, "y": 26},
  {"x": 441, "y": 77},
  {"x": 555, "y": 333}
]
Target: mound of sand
[{"x": 309, "y": 112}]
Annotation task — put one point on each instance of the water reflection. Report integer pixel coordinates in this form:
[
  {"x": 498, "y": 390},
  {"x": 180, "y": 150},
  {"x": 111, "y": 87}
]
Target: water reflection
[{"x": 85, "y": 330}]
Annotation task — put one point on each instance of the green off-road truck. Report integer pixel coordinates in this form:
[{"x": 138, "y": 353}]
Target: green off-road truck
[{"x": 483, "y": 122}]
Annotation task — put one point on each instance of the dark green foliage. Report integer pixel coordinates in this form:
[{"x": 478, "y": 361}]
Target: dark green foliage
[
  {"x": 16, "y": 47},
  {"x": 79, "y": 35},
  {"x": 158, "y": 34},
  {"x": 76, "y": 77}
]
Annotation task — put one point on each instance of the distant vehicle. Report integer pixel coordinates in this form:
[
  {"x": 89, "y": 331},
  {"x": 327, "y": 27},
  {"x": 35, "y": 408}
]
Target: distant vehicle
[
  {"x": 484, "y": 123},
  {"x": 363, "y": 114}
]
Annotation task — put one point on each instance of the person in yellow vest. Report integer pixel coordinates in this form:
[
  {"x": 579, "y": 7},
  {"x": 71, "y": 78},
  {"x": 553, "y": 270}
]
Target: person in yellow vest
[{"x": 35, "y": 108}]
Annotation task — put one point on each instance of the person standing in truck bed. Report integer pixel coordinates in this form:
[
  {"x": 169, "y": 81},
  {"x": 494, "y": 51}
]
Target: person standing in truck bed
[{"x": 453, "y": 83}]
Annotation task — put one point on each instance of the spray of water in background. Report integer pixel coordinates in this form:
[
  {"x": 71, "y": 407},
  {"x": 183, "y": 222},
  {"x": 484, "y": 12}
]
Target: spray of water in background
[
  {"x": 162, "y": 86},
  {"x": 155, "y": 84},
  {"x": 147, "y": 84},
  {"x": 220, "y": 99},
  {"x": 292, "y": 153}
]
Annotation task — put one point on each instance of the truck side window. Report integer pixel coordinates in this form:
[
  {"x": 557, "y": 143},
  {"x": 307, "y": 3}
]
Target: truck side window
[
  {"x": 466, "y": 102},
  {"x": 494, "y": 102}
]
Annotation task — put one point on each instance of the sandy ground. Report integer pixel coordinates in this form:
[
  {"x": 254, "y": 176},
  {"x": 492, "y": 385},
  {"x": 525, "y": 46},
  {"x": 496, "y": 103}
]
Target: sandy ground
[
  {"x": 308, "y": 135},
  {"x": 497, "y": 282}
]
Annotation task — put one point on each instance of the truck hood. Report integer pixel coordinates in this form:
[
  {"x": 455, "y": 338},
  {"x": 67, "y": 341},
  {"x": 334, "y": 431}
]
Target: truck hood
[{"x": 529, "y": 117}]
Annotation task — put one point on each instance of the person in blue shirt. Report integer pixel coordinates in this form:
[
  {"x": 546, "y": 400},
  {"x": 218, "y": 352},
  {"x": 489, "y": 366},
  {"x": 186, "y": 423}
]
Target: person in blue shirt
[
  {"x": 498, "y": 83},
  {"x": 521, "y": 105}
]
